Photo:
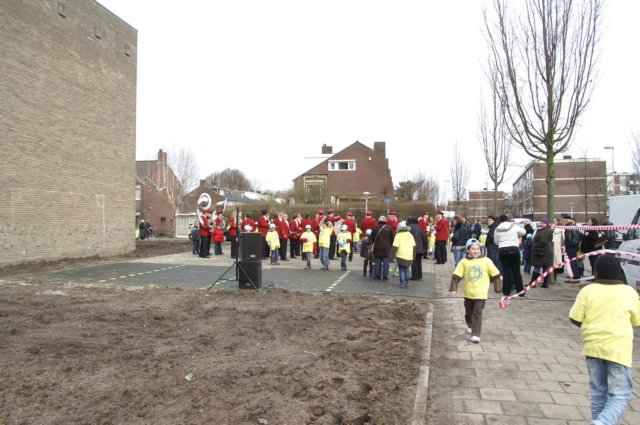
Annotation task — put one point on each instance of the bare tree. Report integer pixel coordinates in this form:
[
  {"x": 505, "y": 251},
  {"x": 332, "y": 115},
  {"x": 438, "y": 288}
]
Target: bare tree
[
  {"x": 544, "y": 60},
  {"x": 183, "y": 163},
  {"x": 173, "y": 178},
  {"x": 459, "y": 177},
  {"x": 593, "y": 190},
  {"x": 229, "y": 178},
  {"x": 495, "y": 141},
  {"x": 426, "y": 188},
  {"x": 635, "y": 151}
]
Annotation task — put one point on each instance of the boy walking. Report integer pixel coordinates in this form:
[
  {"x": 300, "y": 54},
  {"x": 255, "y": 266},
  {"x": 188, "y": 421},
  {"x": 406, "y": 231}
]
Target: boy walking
[
  {"x": 606, "y": 312},
  {"x": 308, "y": 240},
  {"x": 344, "y": 246},
  {"x": 324, "y": 243},
  {"x": 477, "y": 271},
  {"x": 273, "y": 241}
]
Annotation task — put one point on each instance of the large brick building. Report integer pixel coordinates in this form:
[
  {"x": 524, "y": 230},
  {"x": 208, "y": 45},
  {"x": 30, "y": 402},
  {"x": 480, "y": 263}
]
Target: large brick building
[
  {"x": 67, "y": 130},
  {"x": 580, "y": 189},
  {"x": 347, "y": 175}
]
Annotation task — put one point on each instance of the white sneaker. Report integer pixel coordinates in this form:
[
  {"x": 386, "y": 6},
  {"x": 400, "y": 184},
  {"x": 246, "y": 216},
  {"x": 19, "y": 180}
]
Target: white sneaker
[
  {"x": 468, "y": 330},
  {"x": 475, "y": 339}
]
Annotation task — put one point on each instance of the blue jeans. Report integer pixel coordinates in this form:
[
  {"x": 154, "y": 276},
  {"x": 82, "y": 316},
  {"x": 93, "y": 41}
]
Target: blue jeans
[
  {"x": 274, "y": 256},
  {"x": 324, "y": 255},
  {"x": 458, "y": 254},
  {"x": 343, "y": 260},
  {"x": 403, "y": 274},
  {"x": 381, "y": 268},
  {"x": 610, "y": 385}
]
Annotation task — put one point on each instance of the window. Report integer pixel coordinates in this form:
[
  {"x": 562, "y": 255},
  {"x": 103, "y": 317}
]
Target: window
[{"x": 344, "y": 165}]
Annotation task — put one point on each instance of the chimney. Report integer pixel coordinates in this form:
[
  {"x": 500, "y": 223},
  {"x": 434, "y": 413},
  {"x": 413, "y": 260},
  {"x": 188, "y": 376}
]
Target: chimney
[
  {"x": 379, "y": 148},
  {"x": 162, "y": 156},
  {"x": 202, "y": 183},
  {"x": 327, "y": 149}
]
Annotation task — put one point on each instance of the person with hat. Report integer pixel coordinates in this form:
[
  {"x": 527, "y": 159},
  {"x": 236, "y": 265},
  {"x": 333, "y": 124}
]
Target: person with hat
[
  {"x": 403, "y": 250},
  {"x": 248, "y": 221},
  {"x": 308, "y": 240},
  {"x": 423, "y": 223},
  {"x": 295, "y": 230},
  {"x": 392, "y": 220},
  {"x": 263, "y": 228},
  {"x": 442, "y": 237},
  {"x": 606, "y": 312},
  {"x": 476, "y": 271},
  {"x": 382, "y": 239},
  {"x": 542, "y": 251},
  {"x": 194, "y": 235},
  {"x": 344, "y": 245},
  {"x": 365, "y": 253},
  {"x": 205, "y": 235},
  {"x": 273, "y": 242},
  {"x": 368, "y": 222}
]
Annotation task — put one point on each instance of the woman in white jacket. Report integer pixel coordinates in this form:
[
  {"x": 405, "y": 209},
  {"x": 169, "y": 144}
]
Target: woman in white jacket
[{"x": 507, "y": 236}]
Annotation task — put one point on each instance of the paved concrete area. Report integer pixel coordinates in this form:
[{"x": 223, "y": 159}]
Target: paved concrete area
[{"x": 526, "y": 370}]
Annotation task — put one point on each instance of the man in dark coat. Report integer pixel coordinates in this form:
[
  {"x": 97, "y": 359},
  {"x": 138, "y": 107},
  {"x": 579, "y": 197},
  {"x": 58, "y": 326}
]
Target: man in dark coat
[
  {"x": 419, "y": 237},
  {"x": 542, "y": 251},
  {"x": 571, "y": 246},
  {"x": 382, "y": 237}
]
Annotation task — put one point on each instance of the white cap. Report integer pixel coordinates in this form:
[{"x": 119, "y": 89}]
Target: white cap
[
  {"x": 308, "y": 226},
  {"x": 247, "y": 228},
  {"x": 272, "y": 226},
  {"x": 402, "y": 225},
  {"x": 344, "y": 227}
]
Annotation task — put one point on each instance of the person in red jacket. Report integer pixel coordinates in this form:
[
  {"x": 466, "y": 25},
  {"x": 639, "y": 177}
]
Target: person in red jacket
[
  {"x": 263, "y": 228},
  {"x": 368, "y": 222},
  {"x": 283, "y": 234},
  {"x": 205, "y": 235},
  {"x": 233, "y": 234},
  {"x": 442, "y": 237},
  {"x": 248, "y": 221},
  {"x": 351, "y": 227},
  {"x": 295, "y": 230},
  {"x": 423, "y": 223},
  {"x": 218, "y": 237},
  {"x": 392, "y": 220}
]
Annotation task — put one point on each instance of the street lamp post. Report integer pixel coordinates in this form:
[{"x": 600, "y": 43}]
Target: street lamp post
[
  {"x": 571, "y": 205},
  {"x": 366, "y": 201},
  {"x": 149, "y": 214},
  {"x": 445, "y": 194},
  {"x": 613, "y": 171}
]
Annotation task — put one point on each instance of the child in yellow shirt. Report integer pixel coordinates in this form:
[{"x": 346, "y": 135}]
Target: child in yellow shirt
[
  {"x": 308, "y": 239},
  {"x": 477, "y": 271}
]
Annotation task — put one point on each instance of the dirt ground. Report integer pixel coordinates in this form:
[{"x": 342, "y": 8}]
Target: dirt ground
[{"x": 99, "y": 355}]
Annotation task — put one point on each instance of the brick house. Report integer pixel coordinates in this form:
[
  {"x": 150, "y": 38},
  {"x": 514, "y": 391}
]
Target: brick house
[
  {"x": 347, "y": 175},
  {"x": 580, "y": 189},
  {"x": 67, "y": 131},
  {"x": 159, "y": 193},
  {"x": 480, "y": 205},
  {"x": 186, "y": 213}
]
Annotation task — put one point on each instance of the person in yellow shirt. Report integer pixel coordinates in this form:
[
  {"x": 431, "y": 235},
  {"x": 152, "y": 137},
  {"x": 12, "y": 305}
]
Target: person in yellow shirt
[
  {"x": 606, "y": 312},
  {"x": 308, "y": 239},
  {"x": 344, "y": 245},
  {"x": 324, "y": 243},
  {"x": 273, "y": 241},
  {"x": 477, "y": 271},
  {"x": 403, "y": 251}
]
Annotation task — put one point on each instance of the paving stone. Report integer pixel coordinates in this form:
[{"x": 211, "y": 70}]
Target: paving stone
[
  {"x": 532, "y": 396},
  {"x": 570, "y": 399},
  {"x": 499, "y": 394},
  {"x": 556, "y": 411},
  {"x": 483, "y": 406},
  {"x": 505, "y": 420}
]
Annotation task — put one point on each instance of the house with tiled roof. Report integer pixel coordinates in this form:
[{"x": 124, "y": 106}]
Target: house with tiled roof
[{"x": 355, "y": 172}]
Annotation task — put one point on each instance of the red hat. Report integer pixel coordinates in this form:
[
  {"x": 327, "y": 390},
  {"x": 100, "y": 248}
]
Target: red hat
[
  {"x": 392, "y": 212},
  {"x": 321, "y": 212},
  {"x": 331, "y": 210},
  {"x": 369, "y": 212},
  {"x": 349, "y": 214}
]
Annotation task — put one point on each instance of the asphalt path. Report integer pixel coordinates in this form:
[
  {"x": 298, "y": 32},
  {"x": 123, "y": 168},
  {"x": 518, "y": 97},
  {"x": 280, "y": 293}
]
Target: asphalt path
[{"x": 220, "y": 273}]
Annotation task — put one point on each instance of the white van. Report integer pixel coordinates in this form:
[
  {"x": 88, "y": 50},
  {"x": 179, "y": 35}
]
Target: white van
[{"x": 631, "y": 265}]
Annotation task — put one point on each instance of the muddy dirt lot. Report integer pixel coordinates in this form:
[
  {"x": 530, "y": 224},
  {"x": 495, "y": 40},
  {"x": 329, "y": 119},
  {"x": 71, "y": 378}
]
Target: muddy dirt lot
[{"x": 99, "y": 355}]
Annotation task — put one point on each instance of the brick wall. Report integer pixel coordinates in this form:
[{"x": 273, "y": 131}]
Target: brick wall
[{"x": 67, "y": 131}]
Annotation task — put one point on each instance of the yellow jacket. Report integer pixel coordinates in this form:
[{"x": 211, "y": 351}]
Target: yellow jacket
[
  {"x": 308, "y": 239},
  {"x": 324, "y": 239},
  {"x": 346, "y": 237},
  {"x": 273, "y": 240}
]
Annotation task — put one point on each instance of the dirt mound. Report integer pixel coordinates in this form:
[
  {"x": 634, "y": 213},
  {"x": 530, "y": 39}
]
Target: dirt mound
[{"x": 165, "y": 356}]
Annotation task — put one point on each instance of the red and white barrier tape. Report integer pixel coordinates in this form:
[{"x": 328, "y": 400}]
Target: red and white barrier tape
[
  {"x": 601, "y": 228},
  {"x": 505, "y": 301}
]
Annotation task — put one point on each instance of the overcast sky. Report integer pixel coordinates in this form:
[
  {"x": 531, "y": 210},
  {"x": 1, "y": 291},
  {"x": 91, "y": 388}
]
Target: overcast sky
[{"x": 259, "y": 85}]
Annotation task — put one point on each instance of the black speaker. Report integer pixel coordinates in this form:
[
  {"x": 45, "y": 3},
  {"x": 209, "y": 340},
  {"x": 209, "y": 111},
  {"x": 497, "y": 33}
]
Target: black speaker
[
  {"x": 250, "y": 246},
  {"x": 250, "y": 274}
]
